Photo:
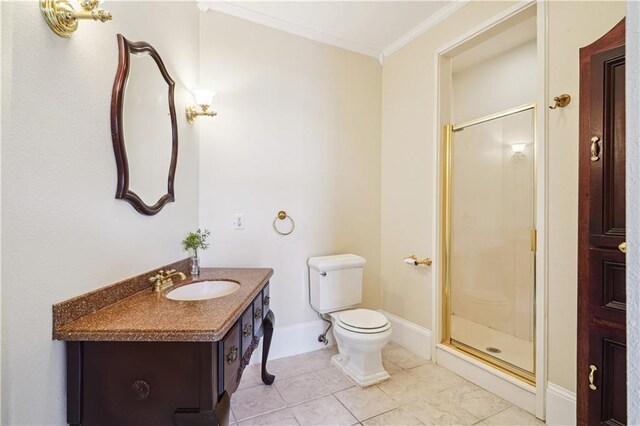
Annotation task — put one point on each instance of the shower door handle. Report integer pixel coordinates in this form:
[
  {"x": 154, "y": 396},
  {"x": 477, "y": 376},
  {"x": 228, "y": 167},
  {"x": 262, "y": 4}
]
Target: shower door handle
[{"x": 592, "y": 373}]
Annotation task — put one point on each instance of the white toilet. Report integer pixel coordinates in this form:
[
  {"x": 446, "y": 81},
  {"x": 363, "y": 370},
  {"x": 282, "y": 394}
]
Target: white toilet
[{"x": 336, "y": 287}]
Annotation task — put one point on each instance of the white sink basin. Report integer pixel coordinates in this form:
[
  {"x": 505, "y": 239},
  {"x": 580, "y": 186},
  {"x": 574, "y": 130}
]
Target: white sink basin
[{"x": 203, "y": 290}]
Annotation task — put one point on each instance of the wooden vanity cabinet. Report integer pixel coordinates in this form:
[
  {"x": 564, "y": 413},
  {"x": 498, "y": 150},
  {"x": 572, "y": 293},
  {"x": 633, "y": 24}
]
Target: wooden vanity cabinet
[
  {"x": 164, "y": 383},
  {"x": 246, "y": 323},
  {"x": 257, "y": 313},
  {"x": 266, "y": 300},
  {"x": 229, "y": 359}
]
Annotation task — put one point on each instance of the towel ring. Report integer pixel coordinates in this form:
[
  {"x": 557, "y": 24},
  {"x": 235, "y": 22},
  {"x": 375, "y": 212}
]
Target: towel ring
[{"x": 282, "y": 215}]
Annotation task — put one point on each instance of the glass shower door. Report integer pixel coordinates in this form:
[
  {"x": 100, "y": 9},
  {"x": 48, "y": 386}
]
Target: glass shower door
[{"x": 490, "y": 251}]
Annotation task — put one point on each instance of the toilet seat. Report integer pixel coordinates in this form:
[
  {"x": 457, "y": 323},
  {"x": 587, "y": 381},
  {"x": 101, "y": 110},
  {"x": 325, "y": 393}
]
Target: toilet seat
[{"x": 363, "y": 321}]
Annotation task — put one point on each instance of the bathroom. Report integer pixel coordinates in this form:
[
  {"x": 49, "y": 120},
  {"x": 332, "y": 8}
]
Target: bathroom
[{"x": 342, "y": 136}]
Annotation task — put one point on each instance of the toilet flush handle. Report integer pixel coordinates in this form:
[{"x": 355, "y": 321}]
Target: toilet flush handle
[{"x": 323, "y": 274}]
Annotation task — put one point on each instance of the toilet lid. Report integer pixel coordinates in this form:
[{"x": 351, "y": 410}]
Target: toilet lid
[{"x": 363, "y": 319}]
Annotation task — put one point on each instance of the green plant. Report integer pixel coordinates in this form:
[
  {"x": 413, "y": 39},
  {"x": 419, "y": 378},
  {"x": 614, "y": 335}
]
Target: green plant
[{"x": 196, "y": 240}]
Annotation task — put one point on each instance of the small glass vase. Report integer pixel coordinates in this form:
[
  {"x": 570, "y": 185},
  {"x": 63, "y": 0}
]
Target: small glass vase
[{"x": 195, "y": 265}]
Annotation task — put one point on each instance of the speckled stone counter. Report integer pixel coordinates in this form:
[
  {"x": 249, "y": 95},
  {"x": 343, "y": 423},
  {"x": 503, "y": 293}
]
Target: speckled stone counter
[{"x": 150, "y": 317}]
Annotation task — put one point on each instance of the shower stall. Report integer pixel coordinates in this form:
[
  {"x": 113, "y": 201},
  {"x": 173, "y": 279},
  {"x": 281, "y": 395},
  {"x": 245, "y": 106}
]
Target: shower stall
[{"x": 489, "y": 240}]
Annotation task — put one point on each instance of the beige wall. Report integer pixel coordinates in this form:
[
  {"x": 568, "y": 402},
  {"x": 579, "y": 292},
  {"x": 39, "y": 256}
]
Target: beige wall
[
  {"x": 298, "y": 129},
  {"x": 63, "y": 232},
  {"x": 407, "y": 162},
  {"x": 407, "y": 145},
  {"x": 571, "y": 26}
]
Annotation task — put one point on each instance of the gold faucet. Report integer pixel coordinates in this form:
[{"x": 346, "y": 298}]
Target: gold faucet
[{"x": 163, "y": 279}]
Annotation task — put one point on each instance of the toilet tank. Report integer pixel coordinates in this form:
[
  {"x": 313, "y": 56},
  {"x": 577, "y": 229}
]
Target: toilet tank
[{"x": 335, "y": 282}]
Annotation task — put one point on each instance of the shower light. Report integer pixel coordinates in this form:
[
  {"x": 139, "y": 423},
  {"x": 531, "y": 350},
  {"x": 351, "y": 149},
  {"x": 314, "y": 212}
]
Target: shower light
[{"x": 518, "y": 148}]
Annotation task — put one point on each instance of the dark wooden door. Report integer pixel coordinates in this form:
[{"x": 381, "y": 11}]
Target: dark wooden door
[{"x": 601, "y": 388}]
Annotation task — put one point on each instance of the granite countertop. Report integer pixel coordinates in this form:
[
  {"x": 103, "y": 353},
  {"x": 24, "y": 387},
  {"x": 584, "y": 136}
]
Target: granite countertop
[{"x": 148, "y": 316}]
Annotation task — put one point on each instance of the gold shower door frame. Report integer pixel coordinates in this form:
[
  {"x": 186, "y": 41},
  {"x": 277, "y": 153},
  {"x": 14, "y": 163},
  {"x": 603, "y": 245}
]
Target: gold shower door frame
[{"x": 447, "y": 163}]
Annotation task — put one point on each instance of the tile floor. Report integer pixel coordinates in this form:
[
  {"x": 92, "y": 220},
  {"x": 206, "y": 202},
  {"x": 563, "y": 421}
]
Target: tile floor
[{"x": 309, "y": 391}]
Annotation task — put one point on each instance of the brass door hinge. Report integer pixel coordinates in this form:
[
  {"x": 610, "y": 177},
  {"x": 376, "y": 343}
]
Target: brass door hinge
[{"x": 534, "y": 240}]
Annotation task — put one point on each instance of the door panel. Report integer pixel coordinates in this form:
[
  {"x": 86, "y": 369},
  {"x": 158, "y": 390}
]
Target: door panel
[
  {"x": 607, "y": 403},
  {"x": 607, "y": 209},
  {"x": 607, "y": 269}
]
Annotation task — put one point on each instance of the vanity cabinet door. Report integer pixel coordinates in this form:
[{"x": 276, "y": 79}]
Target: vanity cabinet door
[
  {"x": 257, "y": 313},
  {"x": 138, "y": 383},
  {"x": 247, "y": 328},
  {"x": 266, "y": 301},
  {"x": 229, "y": 359}
]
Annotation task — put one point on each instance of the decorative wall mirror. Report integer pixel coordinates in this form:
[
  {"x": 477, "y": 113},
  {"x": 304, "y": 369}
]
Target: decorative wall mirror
[{"x": 144, "y": 127}]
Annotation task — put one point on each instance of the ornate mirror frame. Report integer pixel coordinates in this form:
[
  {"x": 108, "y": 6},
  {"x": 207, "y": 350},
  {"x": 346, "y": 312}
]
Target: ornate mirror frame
[{"x": 126, "y": 48}]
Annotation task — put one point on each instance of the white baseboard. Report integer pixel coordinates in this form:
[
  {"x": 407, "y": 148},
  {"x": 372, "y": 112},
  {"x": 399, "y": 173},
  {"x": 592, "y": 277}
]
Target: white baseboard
[
  {"x": 409, "y": 335},
  {"x": 301, "y": 338},
  {"x": 561, "y": 406},
  {"x": 513, "y": 390},
  {"x": 295, "y": 339}
]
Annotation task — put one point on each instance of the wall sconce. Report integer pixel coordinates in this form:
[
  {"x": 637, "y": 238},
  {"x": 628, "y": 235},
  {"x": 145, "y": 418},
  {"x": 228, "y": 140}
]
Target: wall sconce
[
  {"x": 203, "y": 103},
  {"x": 518, "y": 149},
  {"x": 63, "y": 19}
]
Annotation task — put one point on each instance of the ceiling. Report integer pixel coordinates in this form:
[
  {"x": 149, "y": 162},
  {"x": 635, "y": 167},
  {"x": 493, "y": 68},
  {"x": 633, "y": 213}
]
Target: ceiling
[{"x": 374, "y": 28}]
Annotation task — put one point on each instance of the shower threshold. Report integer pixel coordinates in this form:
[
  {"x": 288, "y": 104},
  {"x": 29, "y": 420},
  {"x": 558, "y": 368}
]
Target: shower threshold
[{"x": 495, "y": 347}]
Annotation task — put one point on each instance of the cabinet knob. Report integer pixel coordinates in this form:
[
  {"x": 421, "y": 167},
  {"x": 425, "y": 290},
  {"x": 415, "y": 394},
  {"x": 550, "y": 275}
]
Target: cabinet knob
[
  {"x": 258, "y": 314},
  {"x": 623, "y": 247},
  {"x": 246, "y": 331},
  {"x": 266, "y": 300},
  {"x": 233, "y": 355}
]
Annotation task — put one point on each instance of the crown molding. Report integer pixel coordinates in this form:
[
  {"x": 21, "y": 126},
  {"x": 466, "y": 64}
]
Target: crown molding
[
  {"x": 234, "y": 9},
  {"x": 426, "y": 25}
]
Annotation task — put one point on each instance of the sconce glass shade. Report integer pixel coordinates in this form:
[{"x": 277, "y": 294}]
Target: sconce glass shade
[
  {"x": 203, "y": 103},
  {"x": 203, "y": 96},
  {"x": 518, "y": 148}
]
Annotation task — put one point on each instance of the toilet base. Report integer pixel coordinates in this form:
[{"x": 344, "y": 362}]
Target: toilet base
[{"x": 342, "y": 362}]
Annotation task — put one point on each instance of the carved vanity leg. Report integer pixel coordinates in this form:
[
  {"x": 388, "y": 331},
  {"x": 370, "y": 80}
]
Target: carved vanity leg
[{"x": 267, "y": 326}]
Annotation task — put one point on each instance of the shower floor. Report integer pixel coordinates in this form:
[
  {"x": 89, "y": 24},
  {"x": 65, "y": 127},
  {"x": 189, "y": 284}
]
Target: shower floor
[{"x": 518, "y": 352}]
